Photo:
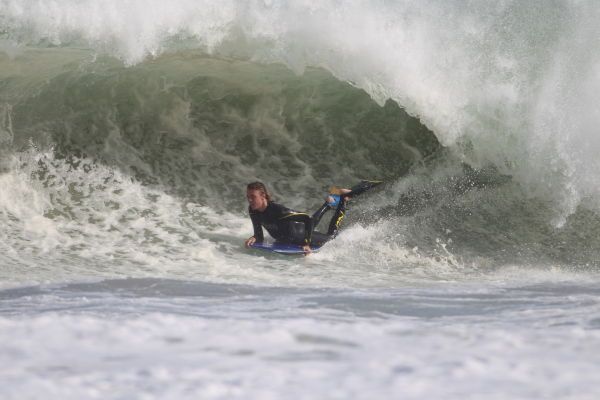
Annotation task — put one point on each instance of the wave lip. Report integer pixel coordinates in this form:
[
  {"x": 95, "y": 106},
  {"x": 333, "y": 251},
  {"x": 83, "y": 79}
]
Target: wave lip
[{"x": 131, "y": 30}]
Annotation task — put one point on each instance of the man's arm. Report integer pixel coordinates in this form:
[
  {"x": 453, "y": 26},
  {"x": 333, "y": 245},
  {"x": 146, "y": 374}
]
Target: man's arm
[{"x": 258, "y": 232}]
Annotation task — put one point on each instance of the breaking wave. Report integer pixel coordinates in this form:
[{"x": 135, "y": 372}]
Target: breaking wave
[{"x": 128, "y": 132}]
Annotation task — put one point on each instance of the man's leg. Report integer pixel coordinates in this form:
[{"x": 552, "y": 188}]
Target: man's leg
[
  {"x": 316, "y": 217},
  {"x": 338, "y": 216},
  {"x": 335, "y": 200}
]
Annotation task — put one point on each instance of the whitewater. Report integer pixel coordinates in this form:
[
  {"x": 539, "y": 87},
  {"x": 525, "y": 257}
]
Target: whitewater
[{"x": 128, "y": 133}]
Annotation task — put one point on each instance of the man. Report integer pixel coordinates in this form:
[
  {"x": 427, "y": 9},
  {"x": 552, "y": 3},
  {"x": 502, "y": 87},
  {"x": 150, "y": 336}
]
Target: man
[{"x": 288, "y": 226}]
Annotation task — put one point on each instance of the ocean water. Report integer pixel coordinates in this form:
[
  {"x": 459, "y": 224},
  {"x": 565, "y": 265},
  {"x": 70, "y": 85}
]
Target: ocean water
[{"x": 128, "y": 131}]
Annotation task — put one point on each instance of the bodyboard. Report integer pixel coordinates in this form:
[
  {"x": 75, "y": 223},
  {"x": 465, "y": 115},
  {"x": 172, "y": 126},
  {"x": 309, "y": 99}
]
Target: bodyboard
[{"x": 281, "y": 248}]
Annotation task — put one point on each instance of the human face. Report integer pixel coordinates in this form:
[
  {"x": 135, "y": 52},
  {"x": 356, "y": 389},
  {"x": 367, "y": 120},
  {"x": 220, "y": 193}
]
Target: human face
[{"x": 257, "y": 200}]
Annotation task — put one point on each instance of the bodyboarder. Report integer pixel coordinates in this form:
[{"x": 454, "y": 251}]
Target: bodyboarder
[{"x": 291, "y": 227}]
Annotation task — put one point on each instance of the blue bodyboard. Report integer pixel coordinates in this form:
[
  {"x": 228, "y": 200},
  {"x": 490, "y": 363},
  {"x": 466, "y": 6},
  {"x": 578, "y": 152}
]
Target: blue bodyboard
[{"x": 280, "y": 248}]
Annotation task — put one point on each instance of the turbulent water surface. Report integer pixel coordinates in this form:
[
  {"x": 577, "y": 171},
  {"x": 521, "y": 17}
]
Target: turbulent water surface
[{"x": 128, "y": 131}]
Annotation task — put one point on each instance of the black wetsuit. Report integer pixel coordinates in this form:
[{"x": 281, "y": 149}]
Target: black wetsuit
[{"x": 289, "y": 226}]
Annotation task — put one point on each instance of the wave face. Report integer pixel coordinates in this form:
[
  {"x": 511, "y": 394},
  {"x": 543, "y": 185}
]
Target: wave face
[{"x": 129, "y": 131}]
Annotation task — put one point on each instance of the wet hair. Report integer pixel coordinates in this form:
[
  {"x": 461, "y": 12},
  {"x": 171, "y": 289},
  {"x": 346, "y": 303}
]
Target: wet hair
[{"x": 261, "y": 188}]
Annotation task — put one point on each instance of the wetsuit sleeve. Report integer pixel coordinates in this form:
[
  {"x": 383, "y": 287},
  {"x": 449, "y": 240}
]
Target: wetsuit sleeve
[
  {"x": 303, "y": 218},
  {"x": 258, "y": 232}
]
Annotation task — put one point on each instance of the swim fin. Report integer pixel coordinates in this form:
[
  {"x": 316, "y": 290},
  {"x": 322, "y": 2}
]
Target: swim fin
[
  {"x": 361, "y": 187},
  {"x": 337, "y": 193}
]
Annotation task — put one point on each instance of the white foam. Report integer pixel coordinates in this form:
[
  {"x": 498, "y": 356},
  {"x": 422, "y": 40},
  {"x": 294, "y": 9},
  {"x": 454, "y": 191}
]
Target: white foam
[
  {"x": 417, "y": 343},
  {"x": 101, "y": 223}
]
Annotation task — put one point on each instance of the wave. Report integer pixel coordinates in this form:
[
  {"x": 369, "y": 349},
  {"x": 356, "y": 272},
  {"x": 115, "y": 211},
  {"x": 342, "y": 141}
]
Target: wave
[
  {"x": 203, "y": 127},
  {"x": 513, "y": 84},
  {"x": 129, "y": 130},
  {"x": 142, "y": 166}
]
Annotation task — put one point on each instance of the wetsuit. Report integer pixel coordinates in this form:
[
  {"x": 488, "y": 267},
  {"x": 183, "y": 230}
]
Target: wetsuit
[{"x": 288, "y": 226}]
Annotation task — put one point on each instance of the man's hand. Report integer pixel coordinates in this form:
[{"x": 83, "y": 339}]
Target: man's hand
[
  {"x": 250, "y": 241},
  {"x": 306, "y": 249}
]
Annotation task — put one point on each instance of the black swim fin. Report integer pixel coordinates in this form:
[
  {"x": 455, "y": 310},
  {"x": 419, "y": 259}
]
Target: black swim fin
[{"x": 361, "y": 187}]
